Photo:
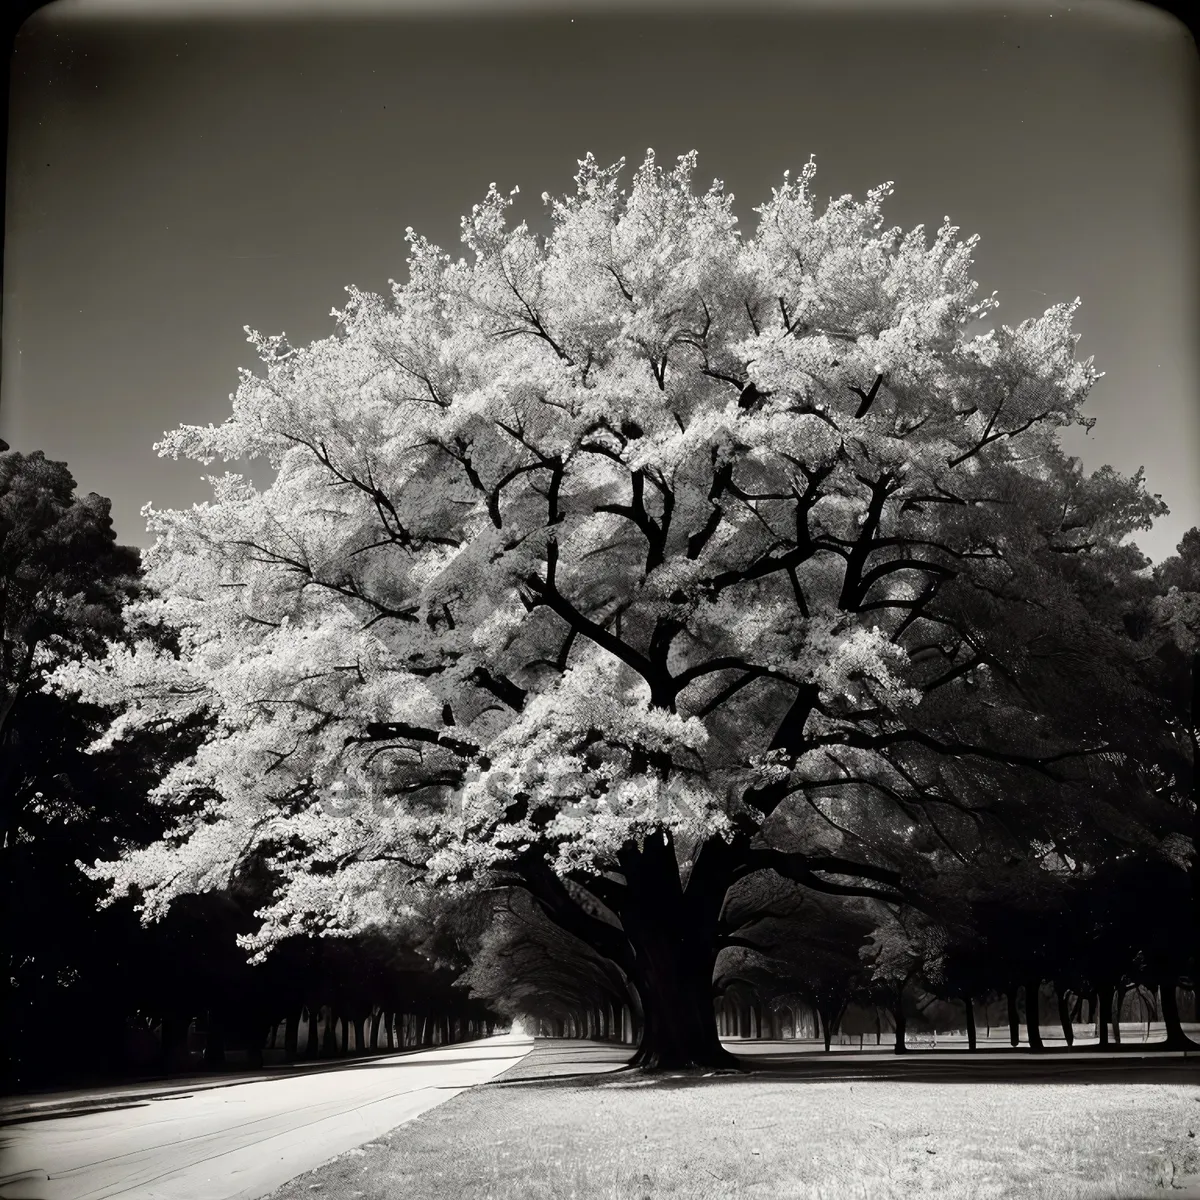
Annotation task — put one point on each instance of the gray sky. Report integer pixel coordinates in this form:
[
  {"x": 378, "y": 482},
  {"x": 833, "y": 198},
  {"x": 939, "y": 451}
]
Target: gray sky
[{"x": 176, "y": 173}]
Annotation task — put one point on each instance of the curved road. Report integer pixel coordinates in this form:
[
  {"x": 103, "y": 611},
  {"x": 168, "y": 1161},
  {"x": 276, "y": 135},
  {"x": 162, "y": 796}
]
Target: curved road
[{"x": 238, "y": 1141}]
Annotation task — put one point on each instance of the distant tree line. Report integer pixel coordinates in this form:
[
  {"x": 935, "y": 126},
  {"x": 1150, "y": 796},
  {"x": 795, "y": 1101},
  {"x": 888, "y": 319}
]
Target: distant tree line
[{"x": 91, "y": 991}]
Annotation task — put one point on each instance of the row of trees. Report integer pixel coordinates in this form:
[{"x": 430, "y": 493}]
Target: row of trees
[
  {"x": 643, "y": 568},
  {"x": 83, "y": 978},
  {"x": 1084, "y": 945}
]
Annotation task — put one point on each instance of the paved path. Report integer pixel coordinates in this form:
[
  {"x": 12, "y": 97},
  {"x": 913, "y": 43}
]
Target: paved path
[{"x": 241, "y": 1141}]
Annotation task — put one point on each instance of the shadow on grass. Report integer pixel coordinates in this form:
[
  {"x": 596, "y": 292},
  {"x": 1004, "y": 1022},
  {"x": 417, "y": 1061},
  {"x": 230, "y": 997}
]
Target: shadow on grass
[{"x": 605, "y": 1066}]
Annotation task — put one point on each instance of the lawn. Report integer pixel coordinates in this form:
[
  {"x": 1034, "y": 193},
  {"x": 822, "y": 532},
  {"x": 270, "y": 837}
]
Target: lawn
[{"x": 536, "y": 1134}]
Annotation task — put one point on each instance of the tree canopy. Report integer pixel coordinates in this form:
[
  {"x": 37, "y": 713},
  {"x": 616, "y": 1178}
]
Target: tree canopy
[{"x": 621, "y": 563}]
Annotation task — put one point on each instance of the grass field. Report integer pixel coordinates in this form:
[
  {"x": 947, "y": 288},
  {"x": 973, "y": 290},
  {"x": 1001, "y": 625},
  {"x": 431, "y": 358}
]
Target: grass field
[{"x": 536, "y": 1133}]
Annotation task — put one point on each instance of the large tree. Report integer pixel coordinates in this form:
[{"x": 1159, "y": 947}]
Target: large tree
[{"x": 620, "y": 563}]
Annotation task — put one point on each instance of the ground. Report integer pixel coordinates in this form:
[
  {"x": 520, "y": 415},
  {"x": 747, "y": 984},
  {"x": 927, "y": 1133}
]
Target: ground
[
  {"x": 235, "y": 1138},
  {"x": 565, "y": 1123}
]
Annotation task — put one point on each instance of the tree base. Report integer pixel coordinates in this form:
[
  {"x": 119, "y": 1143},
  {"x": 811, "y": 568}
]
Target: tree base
[{"x": 650, "y": 1060}]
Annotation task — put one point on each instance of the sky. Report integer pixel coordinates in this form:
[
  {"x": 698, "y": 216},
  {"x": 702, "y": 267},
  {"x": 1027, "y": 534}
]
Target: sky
[{"x": 181, "y": 170}]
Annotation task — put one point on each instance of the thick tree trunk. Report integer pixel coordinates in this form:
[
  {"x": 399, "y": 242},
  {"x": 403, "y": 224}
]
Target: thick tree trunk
[
  {"x": 1032, "y": 1016},
  {"x": 969, "y": 1005},
  {"x": 312, "y": 1045},
  {"x": 673, "y": 938},
  {"x": 1014, "y": 1018},
  {"x": 376, "y": 1018},
  {"x": 1064, "y": 1017},
  {"x": 389, "y": 1037},
  {"x": 1176, "y": 1038},
  {"x": 679, "y": 1028}
]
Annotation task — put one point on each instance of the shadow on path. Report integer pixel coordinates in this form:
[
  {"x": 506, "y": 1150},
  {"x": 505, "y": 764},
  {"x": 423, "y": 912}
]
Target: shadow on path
[{"x": 42, "y": 1106}]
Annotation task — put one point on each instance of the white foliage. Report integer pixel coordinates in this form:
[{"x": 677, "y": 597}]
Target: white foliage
[{"x": 567, "y": 399}]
